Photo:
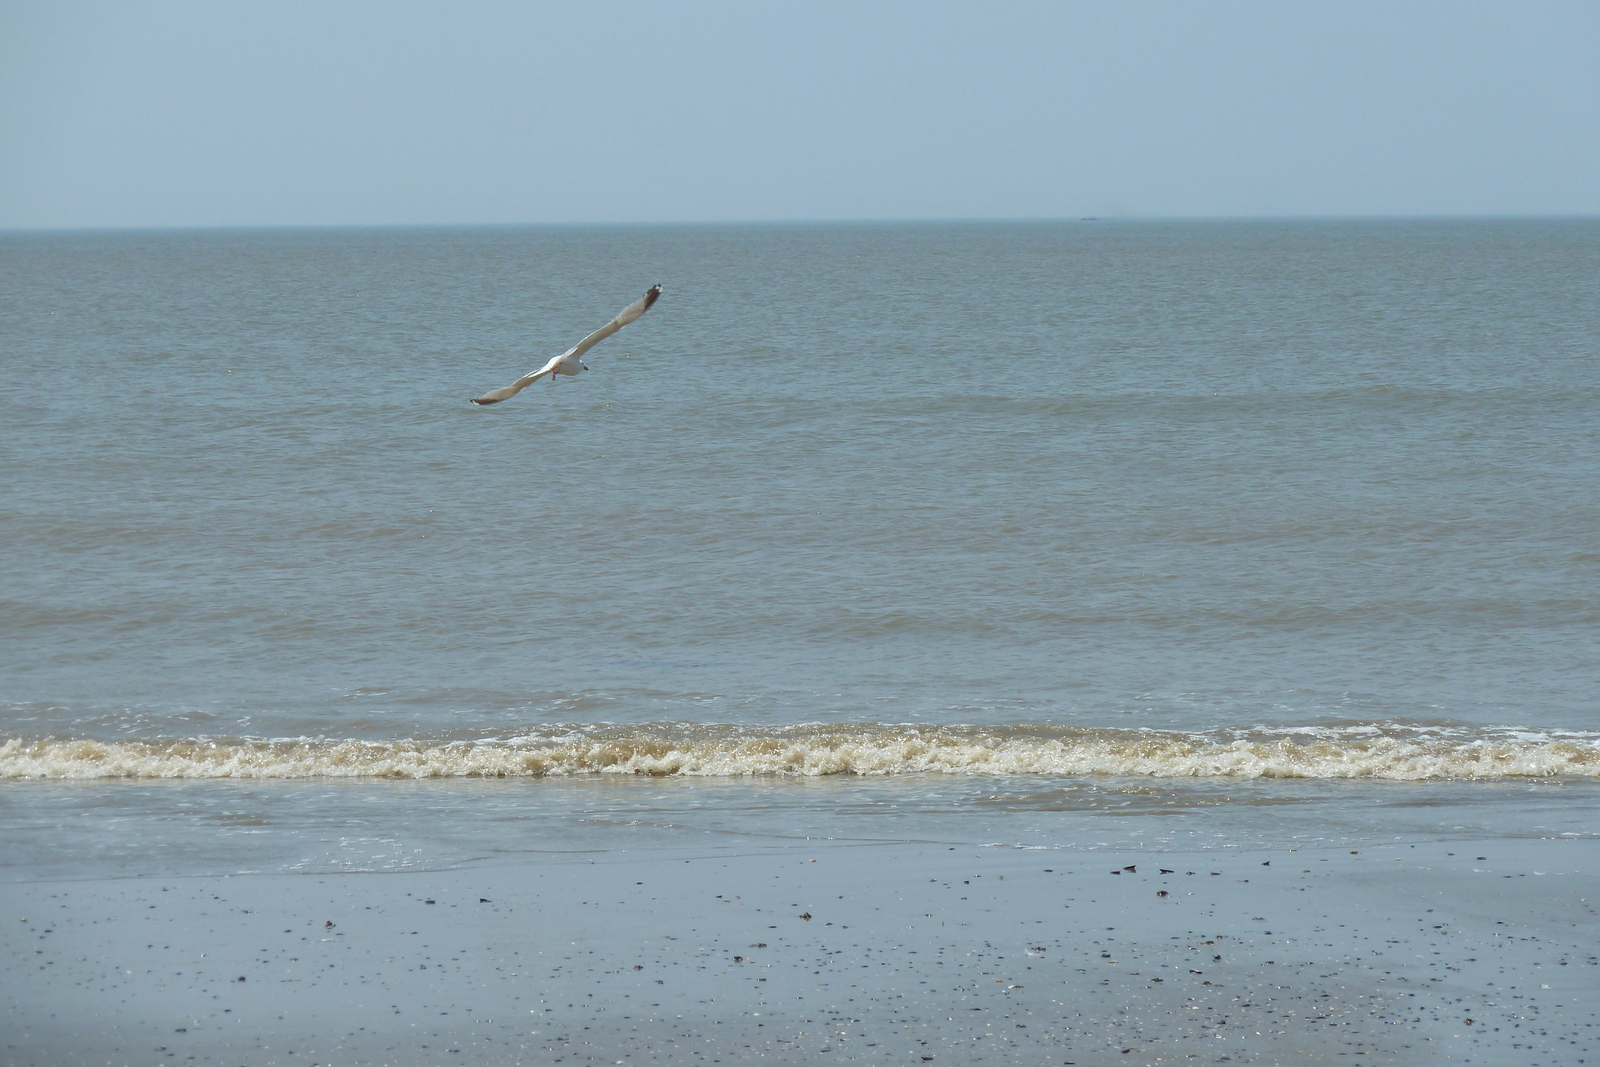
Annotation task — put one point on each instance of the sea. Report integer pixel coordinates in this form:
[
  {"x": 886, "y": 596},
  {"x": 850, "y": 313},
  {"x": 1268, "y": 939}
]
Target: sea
[{"x": 1074, "y": 535}]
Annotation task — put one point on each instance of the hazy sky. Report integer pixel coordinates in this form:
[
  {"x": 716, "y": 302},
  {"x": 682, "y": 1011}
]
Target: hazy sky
[{"x": 164, "y": 113}]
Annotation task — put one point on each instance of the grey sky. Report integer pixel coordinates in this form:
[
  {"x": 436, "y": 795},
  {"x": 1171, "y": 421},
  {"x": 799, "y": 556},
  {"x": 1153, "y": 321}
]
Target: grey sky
[{"x": 162, "y": 113}]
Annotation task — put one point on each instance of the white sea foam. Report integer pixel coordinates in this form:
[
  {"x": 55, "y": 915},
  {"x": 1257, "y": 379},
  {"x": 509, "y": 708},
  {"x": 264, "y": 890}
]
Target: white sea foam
[{"x": 1387, "y": 752}]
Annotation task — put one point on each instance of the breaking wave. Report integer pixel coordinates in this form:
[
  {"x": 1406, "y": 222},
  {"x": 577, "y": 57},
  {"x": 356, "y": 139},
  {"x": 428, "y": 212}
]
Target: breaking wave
[{"x": 1364, "y": 751}]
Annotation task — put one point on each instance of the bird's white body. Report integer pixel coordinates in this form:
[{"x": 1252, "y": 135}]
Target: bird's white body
[{"x": 569, "y": 362}]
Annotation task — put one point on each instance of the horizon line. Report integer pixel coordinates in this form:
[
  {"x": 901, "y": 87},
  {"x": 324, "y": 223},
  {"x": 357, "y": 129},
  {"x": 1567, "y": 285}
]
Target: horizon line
[{"x": 791, "y": 222}]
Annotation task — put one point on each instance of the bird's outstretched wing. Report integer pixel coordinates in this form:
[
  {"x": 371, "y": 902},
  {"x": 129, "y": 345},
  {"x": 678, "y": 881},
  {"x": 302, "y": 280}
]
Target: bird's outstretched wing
[
  {"x": 494, "y": 396},
  {"x": 628, "y": 314}
]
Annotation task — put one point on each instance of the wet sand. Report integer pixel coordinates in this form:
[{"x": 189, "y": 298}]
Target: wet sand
[{"x": 825, "y": 952}]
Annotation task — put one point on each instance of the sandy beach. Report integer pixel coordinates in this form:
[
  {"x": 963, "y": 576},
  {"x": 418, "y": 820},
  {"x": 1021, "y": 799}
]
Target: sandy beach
[{"x": 826, "y": 952}]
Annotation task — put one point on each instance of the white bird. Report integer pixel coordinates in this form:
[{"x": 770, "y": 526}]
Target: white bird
[{"x": 568, "y": 362}]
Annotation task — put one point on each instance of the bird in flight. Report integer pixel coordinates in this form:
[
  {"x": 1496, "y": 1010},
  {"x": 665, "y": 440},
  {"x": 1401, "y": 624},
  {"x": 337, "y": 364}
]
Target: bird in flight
[{"x": 569, "y": 362}]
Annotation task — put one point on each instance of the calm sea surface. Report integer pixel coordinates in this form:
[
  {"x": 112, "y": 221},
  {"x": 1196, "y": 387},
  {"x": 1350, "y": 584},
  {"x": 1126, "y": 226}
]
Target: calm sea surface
[{"x": 1054, "y": 534}]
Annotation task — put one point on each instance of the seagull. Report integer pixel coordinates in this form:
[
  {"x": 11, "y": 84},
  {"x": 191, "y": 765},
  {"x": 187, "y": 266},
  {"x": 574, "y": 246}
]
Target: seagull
[{"x": 568, "y": 361}]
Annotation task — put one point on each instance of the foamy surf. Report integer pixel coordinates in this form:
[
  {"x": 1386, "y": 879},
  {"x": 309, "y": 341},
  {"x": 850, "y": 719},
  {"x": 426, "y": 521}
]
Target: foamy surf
[{"x": 1362, "y": 751}]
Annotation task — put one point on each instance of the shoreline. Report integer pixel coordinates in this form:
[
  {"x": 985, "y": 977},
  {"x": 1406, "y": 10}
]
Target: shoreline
[{"x": 912, "y": 953}]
